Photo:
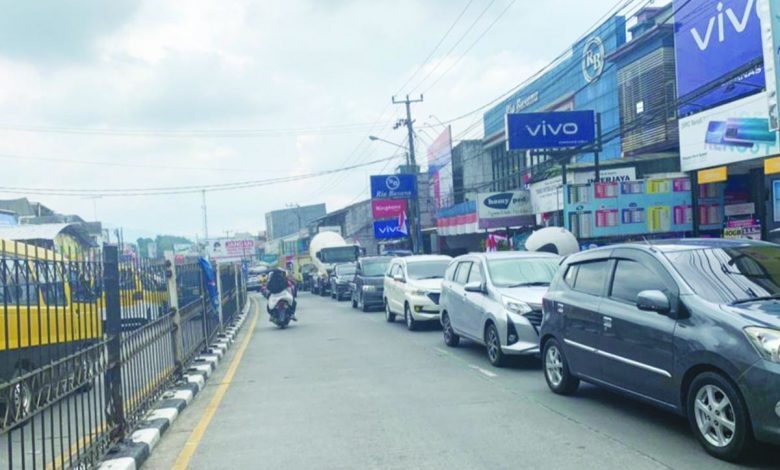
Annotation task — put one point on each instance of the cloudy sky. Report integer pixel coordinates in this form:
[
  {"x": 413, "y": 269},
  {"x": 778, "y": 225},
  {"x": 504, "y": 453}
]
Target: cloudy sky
[{"x": 164, "y": 93}]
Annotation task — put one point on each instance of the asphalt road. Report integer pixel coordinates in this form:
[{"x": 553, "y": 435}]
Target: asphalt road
[{"x": 344, "y": 389}]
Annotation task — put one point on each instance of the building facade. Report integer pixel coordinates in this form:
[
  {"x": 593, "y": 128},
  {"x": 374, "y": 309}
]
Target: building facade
[{"x": 285, "y": 222}]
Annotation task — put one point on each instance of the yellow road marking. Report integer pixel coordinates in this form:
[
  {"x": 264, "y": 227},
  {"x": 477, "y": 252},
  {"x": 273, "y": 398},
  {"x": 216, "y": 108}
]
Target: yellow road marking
[{"x": 186, "y": 454}]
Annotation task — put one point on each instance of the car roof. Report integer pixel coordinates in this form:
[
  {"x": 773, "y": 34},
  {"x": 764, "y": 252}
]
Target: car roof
[
  {"x": 510, "y": 255},
  {"x": 420, "y": 258},
  {"x": 675, "y": 245}
]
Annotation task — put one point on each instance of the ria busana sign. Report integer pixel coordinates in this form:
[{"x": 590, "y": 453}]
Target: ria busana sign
[{"x": 530, "y": 131}]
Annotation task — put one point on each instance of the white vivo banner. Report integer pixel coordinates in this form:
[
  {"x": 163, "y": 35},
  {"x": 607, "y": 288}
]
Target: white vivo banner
[
  {"x": 547, "y": 195},
  {"x": 734, "y": 132}
]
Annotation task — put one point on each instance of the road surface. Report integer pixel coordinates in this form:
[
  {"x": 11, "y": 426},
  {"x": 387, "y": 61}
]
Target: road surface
[{"x": 344, "y": 389}]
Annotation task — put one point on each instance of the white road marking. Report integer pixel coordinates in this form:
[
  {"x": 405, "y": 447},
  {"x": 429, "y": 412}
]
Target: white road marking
[{"x": 483, "y": 371}]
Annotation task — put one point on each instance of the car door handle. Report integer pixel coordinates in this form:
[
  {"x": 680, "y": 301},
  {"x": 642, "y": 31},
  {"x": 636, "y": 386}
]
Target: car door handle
[{"x": 607, "y": 323}]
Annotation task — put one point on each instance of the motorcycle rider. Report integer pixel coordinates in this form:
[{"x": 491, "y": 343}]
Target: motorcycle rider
[{"x": 278, "y": 286}]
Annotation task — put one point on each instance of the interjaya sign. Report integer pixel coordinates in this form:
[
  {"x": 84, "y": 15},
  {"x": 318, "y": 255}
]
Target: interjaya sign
[{"x": 528, "y": 131}]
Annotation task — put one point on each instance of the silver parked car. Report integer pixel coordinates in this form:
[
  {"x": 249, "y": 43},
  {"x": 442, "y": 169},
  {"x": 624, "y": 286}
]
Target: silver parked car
[{"x": 495, "y": 299}]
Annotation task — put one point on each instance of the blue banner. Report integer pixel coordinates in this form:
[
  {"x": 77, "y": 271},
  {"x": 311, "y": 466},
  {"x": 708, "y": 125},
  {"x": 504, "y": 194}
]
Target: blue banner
[
  {"x": 528, "y": 131},
  {"x": 713, "y": 38},
  {"x": 403, "y": 186},
  {"x": 389, "y": 229},
  {"x": 210, "y": 281}
]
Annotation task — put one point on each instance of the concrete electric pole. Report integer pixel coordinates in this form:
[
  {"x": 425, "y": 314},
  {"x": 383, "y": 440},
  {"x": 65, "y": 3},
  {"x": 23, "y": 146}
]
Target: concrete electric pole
[{"x": 416, "y": 235}]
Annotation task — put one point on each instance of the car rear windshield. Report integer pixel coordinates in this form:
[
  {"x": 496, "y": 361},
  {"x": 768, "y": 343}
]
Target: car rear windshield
[
  {"x": 522, "y": 271},
  {"x": 375, "y": 268},
  {"x": 427, "y": 269},
  {"x": 345, "y": 270},
  {"x": 730, "y": 274}
]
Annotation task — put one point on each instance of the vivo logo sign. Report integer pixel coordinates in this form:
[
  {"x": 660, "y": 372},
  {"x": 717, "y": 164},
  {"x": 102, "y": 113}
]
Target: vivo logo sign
[
  {"x": 550, "y": 130},
  {"x": 714, "y": 39},
  {"x": 569, "y": 128},
  {"x": 719, "y": 23},
  {"x": 389, "y": 229}
]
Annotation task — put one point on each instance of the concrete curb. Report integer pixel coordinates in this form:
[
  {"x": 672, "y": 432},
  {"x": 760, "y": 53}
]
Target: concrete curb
[{"x": 136, "y": 449}]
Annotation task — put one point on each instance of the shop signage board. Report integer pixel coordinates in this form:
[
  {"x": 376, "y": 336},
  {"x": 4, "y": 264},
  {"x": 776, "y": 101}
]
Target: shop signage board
[
  {"x": 731, "y": 133},
  {"x": 389, "y": 230},
  {"x": 769, "y": 14},
  {"x": 651, "y": 206},
  {"x": 527, "y": 131},
  {"x": 547, "y": 195},
  {"x": 225, "y": 249},
  {"x": 772, "y": 166},
  {"x": 400, "y": 186},
  {"x": 713, "y": 175},
  {"x": 507, "y": 209},
  {"x": 714, "y": 38},
  {"x": 388, "y": 208}
]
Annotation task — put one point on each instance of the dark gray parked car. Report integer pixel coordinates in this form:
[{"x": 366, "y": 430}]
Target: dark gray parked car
[
  {"x": 368, "y": 286},
  {"x": 692, "y": 326}
]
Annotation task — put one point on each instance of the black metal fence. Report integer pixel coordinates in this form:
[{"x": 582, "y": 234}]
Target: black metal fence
[{"x": 89, "y": 342}]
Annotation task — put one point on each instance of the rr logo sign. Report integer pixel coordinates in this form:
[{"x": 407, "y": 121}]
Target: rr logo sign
[{"x": 593, "y": 59}]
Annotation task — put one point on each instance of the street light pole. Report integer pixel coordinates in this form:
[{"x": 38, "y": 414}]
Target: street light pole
[{"x": 416, "y": 234}]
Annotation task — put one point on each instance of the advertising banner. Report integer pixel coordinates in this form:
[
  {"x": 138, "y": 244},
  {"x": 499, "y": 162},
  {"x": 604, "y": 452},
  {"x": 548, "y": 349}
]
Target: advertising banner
[
  {"x": 734, "y": 132},
  {"x": 388, "y": 208},
  {"x": 440, "y": 170},
  {"x": 769, "y": 13},
  {"x": 547, "y": 195},
  {"x": 507, "y": 209},
  {"x": 225, "y": 249},
  {"x": 389, "y": 230},
  {"x": 648, "y": 206},
  {"x": 402, "y": 186},
  {"x": 713, "y": 38},
  {"x": 528, "y": 131}
]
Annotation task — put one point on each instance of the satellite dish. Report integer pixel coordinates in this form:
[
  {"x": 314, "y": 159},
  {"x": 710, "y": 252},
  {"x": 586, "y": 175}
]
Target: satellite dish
[{"x": 556, "y": 240}]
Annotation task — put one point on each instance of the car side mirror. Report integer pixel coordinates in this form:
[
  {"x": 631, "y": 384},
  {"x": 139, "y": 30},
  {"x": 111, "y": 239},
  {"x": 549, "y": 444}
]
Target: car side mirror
[
  {"x": 653, "y": 301},
  {"x": 475, "y": 287},
  {"x": 399, "y": 278}
]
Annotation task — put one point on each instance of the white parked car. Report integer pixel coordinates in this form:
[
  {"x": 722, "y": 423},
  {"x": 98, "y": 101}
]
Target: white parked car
[{"x": 412, "y": 288}]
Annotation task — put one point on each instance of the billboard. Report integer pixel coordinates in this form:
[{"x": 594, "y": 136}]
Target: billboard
[
  {"x": 390, "y": 229},
  {"x": 401, "y": 186},
  {"x": 388, "y": 208},
  {"x": 440, "y": 170},
  {"x": 769, "y": 12},
  {"x": 734, "y": 132},
  {"x": 713, "y": 38},
  {"x": 230, "y": 249},
  {"x": 507, "y": 209},
  {"x": 528, "y": 131}
]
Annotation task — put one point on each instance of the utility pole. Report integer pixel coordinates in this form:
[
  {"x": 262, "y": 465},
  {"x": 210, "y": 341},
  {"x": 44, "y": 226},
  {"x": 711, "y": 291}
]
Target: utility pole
[{"x": 416, "y": 234}]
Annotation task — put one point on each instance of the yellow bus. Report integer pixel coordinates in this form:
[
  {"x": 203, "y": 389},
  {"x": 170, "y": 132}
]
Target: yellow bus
[{"x": 50, "y": 307}]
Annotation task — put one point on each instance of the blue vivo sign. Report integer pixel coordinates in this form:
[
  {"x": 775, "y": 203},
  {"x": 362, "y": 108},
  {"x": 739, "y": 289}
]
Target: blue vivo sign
[
  {"x": 401, "y": 186},
  {"x": 713, "y": 38},
  {"x": 550, "y": 130},
  {"x": 389, "y": 229}
]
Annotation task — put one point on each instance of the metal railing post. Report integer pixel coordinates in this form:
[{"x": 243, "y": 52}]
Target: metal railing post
[
  {"x": 237, "y": 291},
  {"x": 219, "y": 294},
  {"x": 173, "y": 296},
  {"x": 113, "y": 391}
]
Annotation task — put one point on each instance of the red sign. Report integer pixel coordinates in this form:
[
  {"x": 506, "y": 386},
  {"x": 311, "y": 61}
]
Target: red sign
[{"x": 388, "y": 208}]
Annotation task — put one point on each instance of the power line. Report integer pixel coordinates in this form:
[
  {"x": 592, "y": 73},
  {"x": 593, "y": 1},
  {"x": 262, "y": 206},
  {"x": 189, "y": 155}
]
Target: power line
[{"x": 129, "y": 192}]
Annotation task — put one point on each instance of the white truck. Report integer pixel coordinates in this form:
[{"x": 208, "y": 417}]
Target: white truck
[{"x": 327, "y": 249}]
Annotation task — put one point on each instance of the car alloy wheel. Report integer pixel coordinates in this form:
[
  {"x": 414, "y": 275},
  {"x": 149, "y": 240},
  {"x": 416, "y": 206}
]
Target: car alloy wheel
[
  {"x": 715, "y": 416},
  {"x": 553, "y": 366},
  {"x": 411, "y": 324},
  {"x": 493, "y": 345},
  {"x": 451, "y": 339}
]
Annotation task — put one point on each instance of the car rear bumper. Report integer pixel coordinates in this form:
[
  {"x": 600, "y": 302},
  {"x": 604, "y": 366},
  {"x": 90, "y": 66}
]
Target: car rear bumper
[
  {"x": 761, "y": 387},
  {"x": 373, "y": 298}
]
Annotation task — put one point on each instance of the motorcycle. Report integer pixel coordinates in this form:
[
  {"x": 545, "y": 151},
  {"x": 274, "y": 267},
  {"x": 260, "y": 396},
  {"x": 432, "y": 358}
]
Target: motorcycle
[{"x": 281, "y": 307}]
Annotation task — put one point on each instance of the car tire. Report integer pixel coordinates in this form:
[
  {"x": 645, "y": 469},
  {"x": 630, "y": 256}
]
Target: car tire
[
  {"x": 411, "y": 323},
  {"x": 556, "y": 369},
  {"x": 719, "y": 417},
  {"x": 451, "y": 338},
  {"x": 389, "y": 316},
  {"x": 493, "y": 346},
  {"x": 354, "y": 301},
  {"x": 363, "y": 306}
]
